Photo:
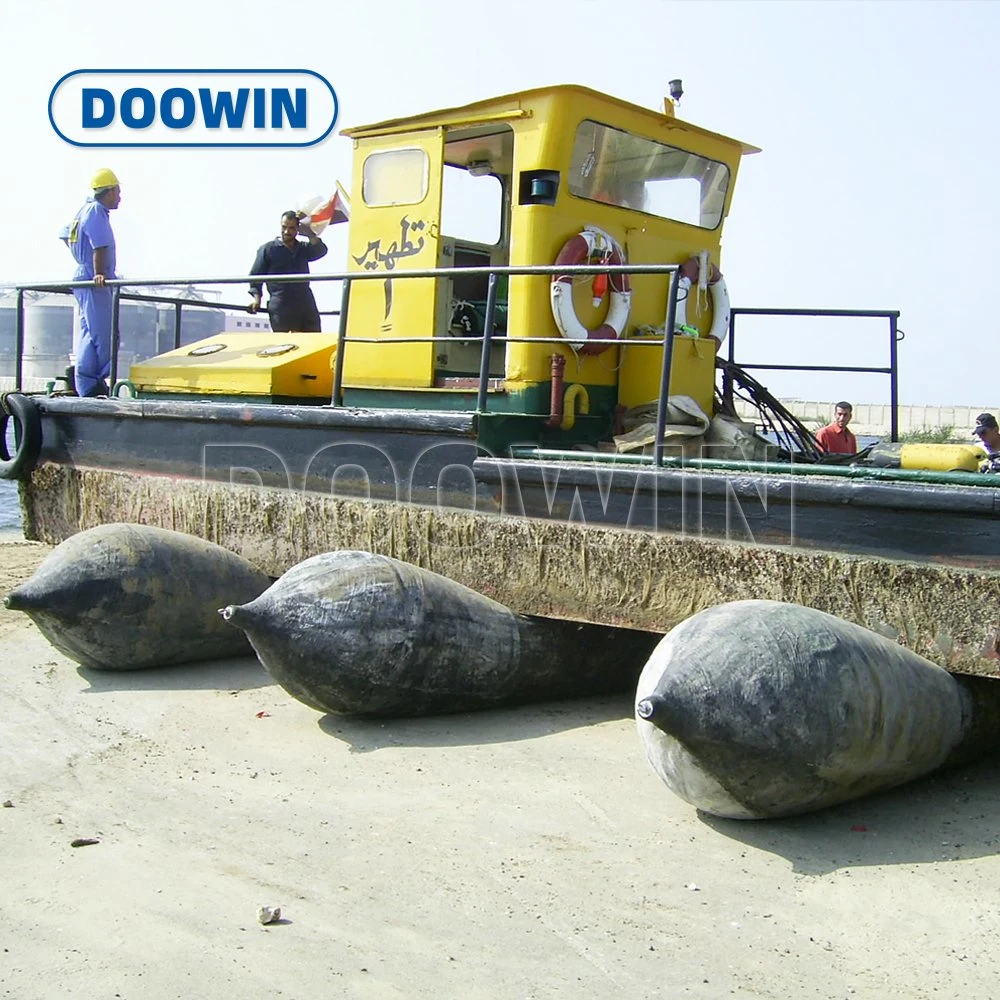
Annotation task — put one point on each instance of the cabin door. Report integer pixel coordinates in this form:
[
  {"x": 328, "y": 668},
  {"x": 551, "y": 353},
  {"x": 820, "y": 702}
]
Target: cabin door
[{"x": 395, "y": 228}]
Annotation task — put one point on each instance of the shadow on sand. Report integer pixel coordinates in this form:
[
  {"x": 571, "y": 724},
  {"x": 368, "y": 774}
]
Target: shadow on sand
[
  {"x": 952, "y": 815},
  {"x": 507, "y": 725},
  {"x": 242, "y": 673}
]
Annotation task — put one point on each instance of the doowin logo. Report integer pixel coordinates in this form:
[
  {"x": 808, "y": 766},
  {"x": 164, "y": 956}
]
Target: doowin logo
[{"x": 193, "y": 107}]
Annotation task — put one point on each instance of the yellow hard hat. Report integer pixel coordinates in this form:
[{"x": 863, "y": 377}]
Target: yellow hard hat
[{"x": 104, "y": 178}]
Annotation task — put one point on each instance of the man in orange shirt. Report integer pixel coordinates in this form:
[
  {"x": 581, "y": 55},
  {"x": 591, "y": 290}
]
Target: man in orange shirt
[{"x": 835, "y": 438}]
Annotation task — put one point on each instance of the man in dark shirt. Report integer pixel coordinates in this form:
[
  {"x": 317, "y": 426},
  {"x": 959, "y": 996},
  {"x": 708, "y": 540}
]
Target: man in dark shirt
[
  {"x": 290, "y": 304},
  {"x": 988, "y": 432}
]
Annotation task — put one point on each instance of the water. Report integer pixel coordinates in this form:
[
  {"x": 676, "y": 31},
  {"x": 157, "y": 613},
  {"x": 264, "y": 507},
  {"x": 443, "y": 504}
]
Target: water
[{"x": 10, "y": 510}]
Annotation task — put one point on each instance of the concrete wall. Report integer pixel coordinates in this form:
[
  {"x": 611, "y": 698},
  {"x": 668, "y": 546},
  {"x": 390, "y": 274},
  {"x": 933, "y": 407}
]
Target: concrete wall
[
  {"x": 873, "y": 418},
  {"x": 28, "y": 384}
]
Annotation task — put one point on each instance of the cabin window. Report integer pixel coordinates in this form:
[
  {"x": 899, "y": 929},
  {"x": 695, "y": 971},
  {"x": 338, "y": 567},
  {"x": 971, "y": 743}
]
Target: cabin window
[
  {"x": 620, "y": 168},
  {"x": 395, "y": 177},
  {"x": 472, "y": 205}
]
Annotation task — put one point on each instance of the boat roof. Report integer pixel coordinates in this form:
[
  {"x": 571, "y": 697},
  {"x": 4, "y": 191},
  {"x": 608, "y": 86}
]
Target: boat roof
[{"x": 517, "y": 105}]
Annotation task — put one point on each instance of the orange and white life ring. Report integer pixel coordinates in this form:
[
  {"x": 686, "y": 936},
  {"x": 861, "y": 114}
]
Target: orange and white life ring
[
  {"x": 592, "y": 245},
  {"x": 720, "y": 297}
]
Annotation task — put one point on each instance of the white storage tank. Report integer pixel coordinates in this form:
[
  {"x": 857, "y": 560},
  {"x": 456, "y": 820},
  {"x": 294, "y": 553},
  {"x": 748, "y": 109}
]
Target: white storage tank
[
  {"x": 8, "y": 333},
  {"x": 145, "y": 330}
]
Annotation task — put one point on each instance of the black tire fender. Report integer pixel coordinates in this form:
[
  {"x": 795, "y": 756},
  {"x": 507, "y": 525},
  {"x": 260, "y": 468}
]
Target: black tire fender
[{"x": 27, "y": 435}]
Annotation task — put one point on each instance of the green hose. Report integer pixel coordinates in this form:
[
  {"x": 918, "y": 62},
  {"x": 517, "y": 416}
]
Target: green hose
[{"x": 764, "y": 468}]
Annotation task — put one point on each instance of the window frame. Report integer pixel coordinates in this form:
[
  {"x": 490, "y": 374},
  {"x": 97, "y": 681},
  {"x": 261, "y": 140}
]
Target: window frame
[
  {"x": 382, "y": 154},
  {"x": 572, "y": 184}
]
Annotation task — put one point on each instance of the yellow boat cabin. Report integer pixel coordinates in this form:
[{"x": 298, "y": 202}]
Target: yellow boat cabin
[{"x": 515, "y": 204}]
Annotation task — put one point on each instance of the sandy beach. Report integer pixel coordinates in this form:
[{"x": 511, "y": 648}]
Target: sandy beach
[{"x": 519, "y": 854}]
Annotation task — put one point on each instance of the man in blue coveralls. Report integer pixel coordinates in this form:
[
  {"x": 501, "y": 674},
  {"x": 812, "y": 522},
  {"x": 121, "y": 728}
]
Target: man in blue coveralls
[
  {"x": 92, "y": 243},
  {"x": 290, "y": 304}
]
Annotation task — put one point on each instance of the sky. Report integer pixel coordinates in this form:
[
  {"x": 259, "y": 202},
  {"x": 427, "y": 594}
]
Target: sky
[{"x": 876, "y": 187}]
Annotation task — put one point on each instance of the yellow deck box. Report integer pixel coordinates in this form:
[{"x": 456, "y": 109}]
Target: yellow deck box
[{"x": 292, "y": 365}]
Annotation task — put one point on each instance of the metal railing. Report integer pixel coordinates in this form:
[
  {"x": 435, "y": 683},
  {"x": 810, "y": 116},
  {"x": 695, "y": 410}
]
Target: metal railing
[
  {"x": 117, "y": 295},
  {"x": 493, "y": 274},
  {"x": 895, "y": 336}
]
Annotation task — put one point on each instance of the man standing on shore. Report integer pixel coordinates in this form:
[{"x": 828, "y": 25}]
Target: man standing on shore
[
  {"x": 92, "y": 243},
  {"x": 835, "y": 438}
]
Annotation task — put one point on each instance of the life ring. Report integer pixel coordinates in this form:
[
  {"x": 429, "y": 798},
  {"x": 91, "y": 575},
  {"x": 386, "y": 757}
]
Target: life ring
[
  {"x": 583, "y": 248},
  {"x": 720, "y": 298},
  {"x": 27, "y": 434}
]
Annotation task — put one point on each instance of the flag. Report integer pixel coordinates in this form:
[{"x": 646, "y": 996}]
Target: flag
[{"x": 337, "y": 209}]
